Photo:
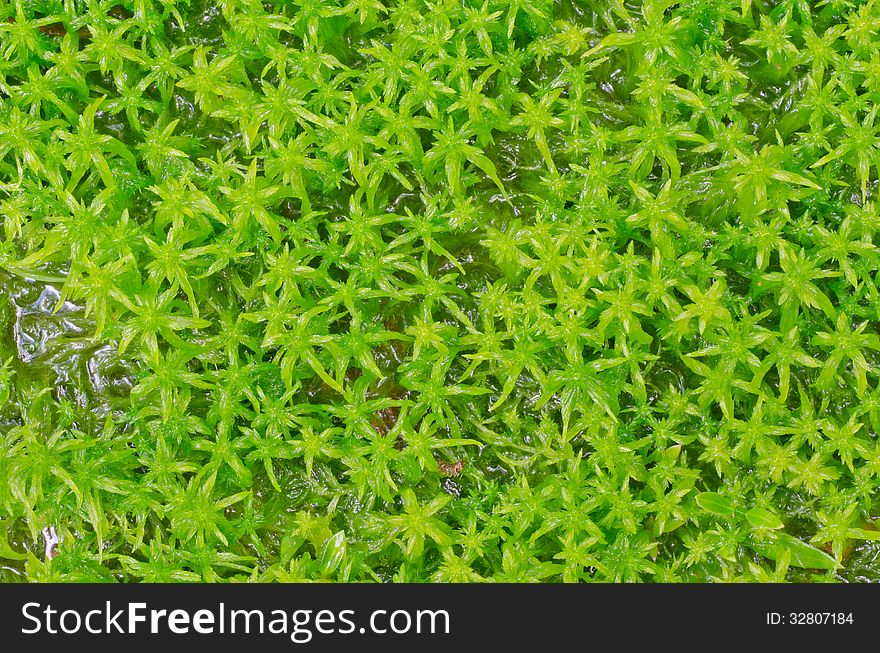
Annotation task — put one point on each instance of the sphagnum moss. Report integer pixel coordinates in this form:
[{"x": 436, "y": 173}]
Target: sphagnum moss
[{"x": 459, "y": 290}]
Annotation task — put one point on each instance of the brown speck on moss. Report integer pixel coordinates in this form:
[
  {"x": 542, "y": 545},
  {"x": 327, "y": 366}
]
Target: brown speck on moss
[{"x": 450, "y": 469}]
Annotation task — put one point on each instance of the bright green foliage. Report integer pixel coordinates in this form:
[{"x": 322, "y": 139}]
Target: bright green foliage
[{"x": 459, "y": 290}]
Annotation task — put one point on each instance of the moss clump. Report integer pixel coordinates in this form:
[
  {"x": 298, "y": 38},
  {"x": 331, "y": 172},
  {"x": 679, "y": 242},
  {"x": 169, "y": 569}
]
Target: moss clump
[{"x": 447, "y": 291}]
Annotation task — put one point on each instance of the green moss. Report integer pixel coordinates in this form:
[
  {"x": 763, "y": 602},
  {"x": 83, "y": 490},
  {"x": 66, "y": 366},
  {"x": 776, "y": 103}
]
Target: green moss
[{"x": 444, "y": 291}]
